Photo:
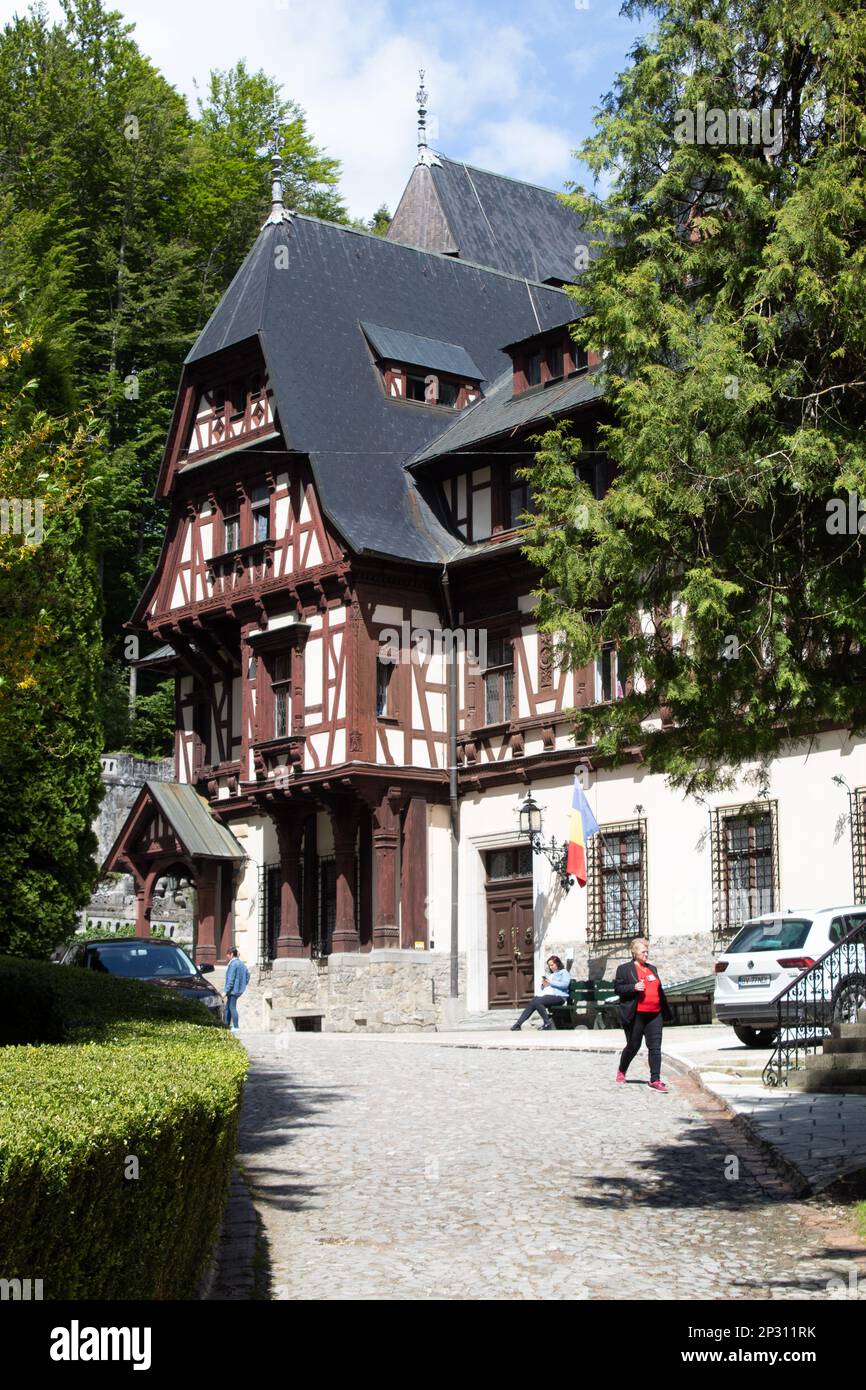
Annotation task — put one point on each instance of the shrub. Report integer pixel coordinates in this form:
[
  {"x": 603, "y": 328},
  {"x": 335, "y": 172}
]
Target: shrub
[
  {"x": 93, "y": 933},
  {"x": 141, "y": 1074},
  {"x": 31, "y": 1011}
]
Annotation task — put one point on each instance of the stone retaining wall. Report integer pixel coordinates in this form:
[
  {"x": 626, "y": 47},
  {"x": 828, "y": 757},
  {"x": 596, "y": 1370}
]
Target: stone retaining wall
[{"x": 376, "y": 992}]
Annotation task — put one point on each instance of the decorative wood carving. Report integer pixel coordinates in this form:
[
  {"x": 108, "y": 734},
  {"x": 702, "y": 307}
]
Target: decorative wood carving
[{"x": 545, "y": 661}]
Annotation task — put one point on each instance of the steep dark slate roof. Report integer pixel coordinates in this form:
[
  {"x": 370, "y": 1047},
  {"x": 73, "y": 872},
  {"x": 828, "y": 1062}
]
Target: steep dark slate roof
[
  {"x": 501, "y": 413},
  {"x": 483, "y": 217},
  {"x": 328, "y": 391}
]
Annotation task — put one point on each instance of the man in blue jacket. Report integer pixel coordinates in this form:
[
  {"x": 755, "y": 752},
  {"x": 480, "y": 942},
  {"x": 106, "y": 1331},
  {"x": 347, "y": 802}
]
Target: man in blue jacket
[{"x": 237, "y": 979}]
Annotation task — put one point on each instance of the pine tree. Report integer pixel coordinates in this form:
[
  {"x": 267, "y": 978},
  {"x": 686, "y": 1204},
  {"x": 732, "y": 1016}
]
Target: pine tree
[{"x": 727, "y": 295}]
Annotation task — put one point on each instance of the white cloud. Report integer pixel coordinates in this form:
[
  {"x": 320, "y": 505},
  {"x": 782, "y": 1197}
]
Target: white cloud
[{"x": 525, "y": 149}]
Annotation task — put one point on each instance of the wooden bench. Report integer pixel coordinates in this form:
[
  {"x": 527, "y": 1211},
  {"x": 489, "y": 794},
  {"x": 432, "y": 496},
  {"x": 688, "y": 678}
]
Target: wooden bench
[
  {"x": 585, "y": 1000},
  {"x": 691, "y": 1002}
]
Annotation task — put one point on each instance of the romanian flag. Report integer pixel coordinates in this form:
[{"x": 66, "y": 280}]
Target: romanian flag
[{"x": 583, "y": 824}]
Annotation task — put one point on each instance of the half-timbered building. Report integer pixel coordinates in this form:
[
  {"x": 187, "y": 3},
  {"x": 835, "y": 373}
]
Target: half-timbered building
[{"x": 362, "y": 694}]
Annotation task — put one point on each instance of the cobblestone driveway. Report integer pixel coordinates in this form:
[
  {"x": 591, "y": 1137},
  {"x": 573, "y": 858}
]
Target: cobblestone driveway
[{"x": 390, "y": 1170}]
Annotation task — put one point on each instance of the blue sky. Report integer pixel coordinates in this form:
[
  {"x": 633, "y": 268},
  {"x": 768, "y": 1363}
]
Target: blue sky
[{"x": 512, "y": 85}]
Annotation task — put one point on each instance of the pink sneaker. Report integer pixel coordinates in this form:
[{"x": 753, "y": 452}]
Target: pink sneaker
[
  {"x": 620, "y": 1076},
  {"x": 658, "y": 1086}
]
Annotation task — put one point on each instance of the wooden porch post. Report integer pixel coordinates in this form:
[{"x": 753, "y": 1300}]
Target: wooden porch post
[
  {"x": 206, "y": 885},
  {"x": 290, "y": 830},
  {"x": 386, "y": 834},
  {"x": 144, "y": 902},
  {"x": 413, "y": 864},
  {"x": 227, "y": 881},
  {"x": 344, "y": 818}
]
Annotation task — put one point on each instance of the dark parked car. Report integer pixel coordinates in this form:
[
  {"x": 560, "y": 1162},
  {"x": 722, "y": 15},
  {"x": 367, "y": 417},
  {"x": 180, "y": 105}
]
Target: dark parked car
[{"x": 155, "y": 962}]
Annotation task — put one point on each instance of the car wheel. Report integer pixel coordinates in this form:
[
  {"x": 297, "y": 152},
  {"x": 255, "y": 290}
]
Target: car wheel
[
  {"x": 849, "y": 999},
  {"x": 755, "y": 1037}
]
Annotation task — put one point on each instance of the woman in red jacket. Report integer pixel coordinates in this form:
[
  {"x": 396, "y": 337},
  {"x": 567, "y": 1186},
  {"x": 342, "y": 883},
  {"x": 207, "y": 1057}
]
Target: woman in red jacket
[{"x": 642, "y": 1010}]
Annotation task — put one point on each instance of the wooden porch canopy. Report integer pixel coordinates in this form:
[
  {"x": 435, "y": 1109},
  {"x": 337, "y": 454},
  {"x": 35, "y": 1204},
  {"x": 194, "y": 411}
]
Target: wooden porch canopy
[{"x": 170, "y": 826}]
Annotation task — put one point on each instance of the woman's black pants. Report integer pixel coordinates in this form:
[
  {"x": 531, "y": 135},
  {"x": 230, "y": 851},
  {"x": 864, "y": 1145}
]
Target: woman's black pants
[
  {"x": 537, "y": 1005},
  {"x": 647, "y": 1026}
]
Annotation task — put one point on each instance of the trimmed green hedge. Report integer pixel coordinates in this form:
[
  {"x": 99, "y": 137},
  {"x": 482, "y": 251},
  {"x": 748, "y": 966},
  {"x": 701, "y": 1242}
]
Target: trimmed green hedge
[{"x": 142, "y": 1074}]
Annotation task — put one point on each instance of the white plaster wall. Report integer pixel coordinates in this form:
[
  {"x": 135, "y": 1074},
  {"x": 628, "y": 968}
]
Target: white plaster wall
[
  {"x": 282, "y": 506},
  {"x": 439, "y": 878},
  {"x": 250, "y": 833},
  {"x": 815, "y": 857}
]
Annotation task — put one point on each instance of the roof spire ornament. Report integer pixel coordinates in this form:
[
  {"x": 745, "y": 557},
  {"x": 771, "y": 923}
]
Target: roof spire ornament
[
  {"x": 279, "y": 212},
  {"x": 425, "y": 156}
]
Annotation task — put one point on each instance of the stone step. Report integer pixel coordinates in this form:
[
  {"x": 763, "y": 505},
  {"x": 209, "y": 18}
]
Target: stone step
[
  {"x": 847, "y": 1081},
  {"x": 839, "y": 1061},
  {"x": 816, "y": 1083},
  {"x": 836, "y": 1045},
  {"x": 492, "y": 1020},
  {"x": 849, "y": 1030}
]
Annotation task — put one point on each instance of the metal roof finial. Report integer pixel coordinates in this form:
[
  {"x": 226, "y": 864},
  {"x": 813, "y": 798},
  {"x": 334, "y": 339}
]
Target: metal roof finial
[
  {"x": 421, "y": 98},
  {"x": 424, "y": 154},
  {"x": 278, "y": 213}
]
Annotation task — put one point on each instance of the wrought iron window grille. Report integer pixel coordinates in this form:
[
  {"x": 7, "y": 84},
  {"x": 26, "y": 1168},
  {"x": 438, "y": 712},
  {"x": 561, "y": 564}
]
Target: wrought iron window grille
[
  {"x": 745, "y": 866},
  {"x": 616, "y": 883}
]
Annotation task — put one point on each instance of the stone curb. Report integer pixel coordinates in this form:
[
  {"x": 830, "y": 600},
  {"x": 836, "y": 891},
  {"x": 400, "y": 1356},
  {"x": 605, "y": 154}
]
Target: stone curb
[
  {"x": 232, "y": 1274},
  {"x": 793, "y": 1182}
]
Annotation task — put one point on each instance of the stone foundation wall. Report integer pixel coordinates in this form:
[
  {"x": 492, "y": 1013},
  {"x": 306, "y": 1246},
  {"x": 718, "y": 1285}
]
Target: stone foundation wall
[
  {"x": 375, "y": 992},
  {"x": 678, "y": 958}
]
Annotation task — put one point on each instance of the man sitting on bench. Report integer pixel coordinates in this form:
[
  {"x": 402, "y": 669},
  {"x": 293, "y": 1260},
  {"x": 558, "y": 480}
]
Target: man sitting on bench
[{"x": 553, "y": 990}]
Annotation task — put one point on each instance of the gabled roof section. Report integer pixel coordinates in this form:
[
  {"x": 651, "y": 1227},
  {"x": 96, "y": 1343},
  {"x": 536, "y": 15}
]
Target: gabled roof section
[
  {"x": 420, "y": 218},
  {"x": 304, "y": 291},
  {"x": 200, "y": 835},
  {"x": 503, "y": 414},
  {"x": 503, "y": 223}
]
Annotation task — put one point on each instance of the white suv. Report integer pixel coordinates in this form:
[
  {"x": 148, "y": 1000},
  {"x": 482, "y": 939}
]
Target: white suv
[{"x": 769, "y": 952}]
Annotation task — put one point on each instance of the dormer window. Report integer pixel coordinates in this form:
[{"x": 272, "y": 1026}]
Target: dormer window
[
  {"x": 405, "y": 383},
  {"x": 417, "y": 388},
  {"x": 543, "y": 360},
  {"x": 423, "y": 371},
  {"x": 229, "y": 412}
]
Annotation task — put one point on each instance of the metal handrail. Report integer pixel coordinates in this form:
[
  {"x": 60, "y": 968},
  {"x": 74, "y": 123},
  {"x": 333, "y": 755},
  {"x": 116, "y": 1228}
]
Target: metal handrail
[{"x": 805, "y": 1014}]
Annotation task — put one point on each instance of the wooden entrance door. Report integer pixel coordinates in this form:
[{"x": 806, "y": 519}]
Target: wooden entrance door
[{"x": 510, "y": 937}]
